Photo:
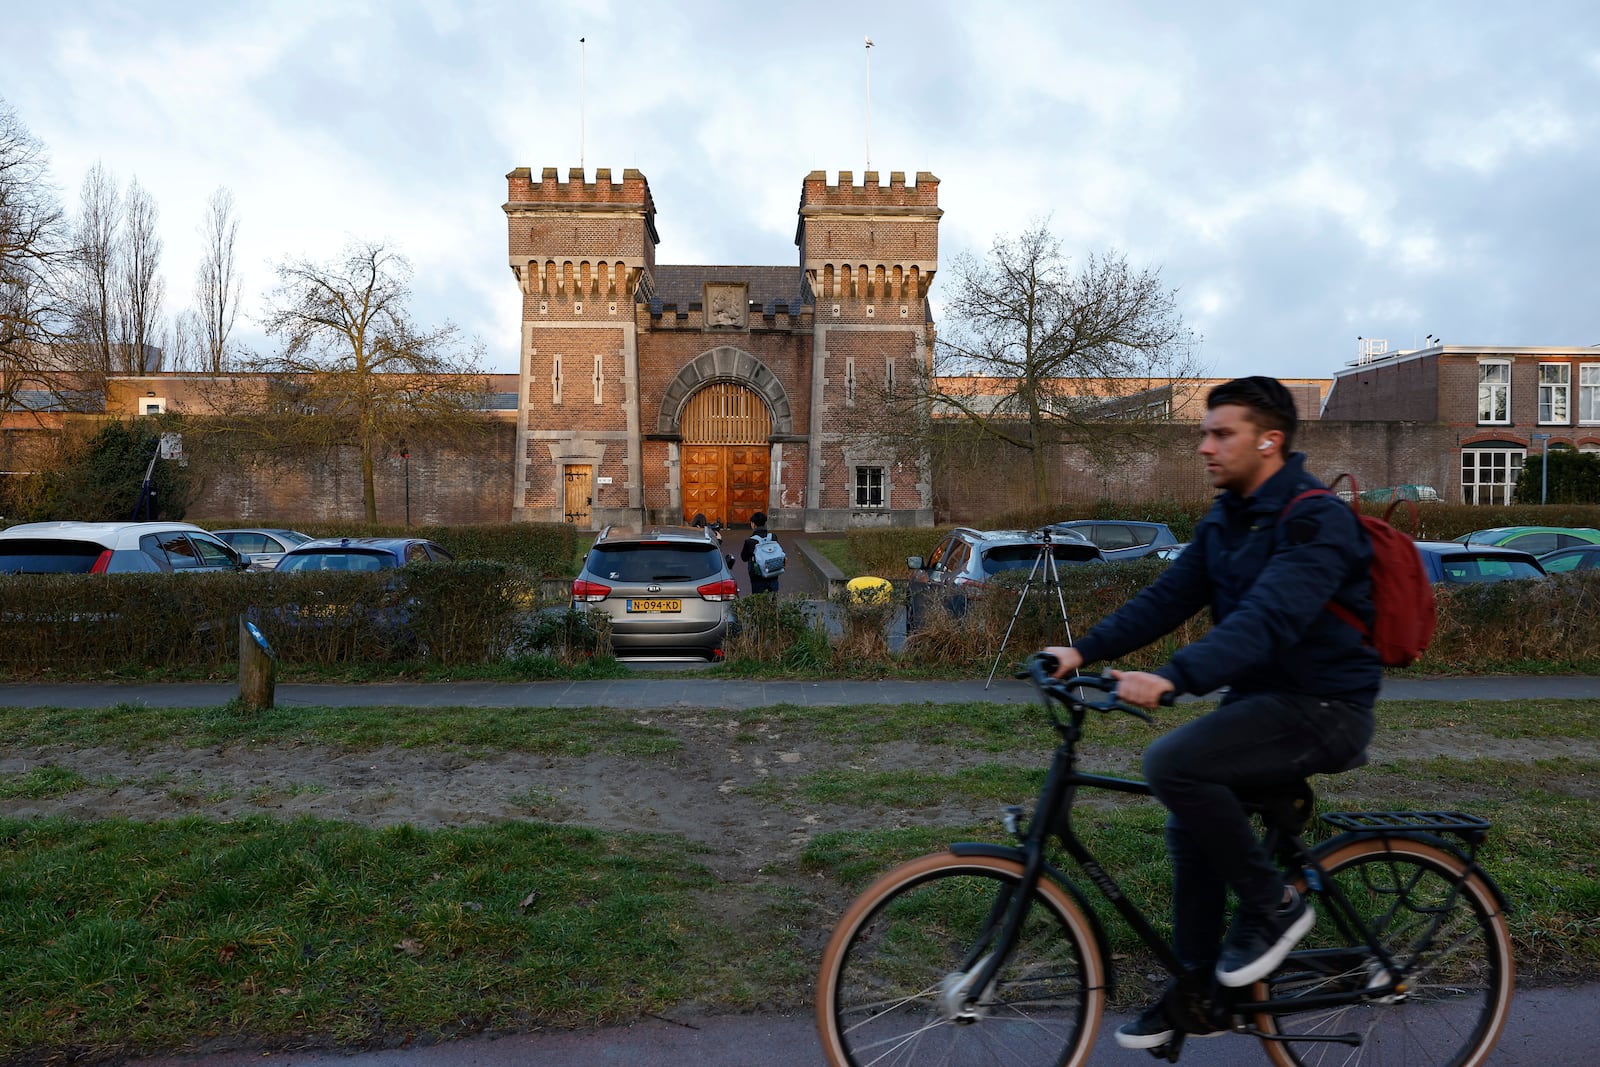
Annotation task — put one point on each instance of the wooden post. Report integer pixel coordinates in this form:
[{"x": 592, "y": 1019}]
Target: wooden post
[{"x": 258, "y": 667}]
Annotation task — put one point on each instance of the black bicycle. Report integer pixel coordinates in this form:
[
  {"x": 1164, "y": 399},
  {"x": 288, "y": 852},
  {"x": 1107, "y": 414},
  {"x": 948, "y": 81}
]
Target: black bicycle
[{"x": 989, "y": 954}]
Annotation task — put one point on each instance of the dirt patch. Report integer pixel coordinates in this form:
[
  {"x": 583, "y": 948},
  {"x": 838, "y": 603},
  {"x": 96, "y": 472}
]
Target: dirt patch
[{"x": 728, "y": 785}]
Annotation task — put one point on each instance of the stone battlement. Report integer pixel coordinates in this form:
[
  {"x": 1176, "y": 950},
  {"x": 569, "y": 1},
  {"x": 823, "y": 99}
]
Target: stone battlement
[
  {"x": 633, "y": 190},
  {"x": 817, "y": 192}
]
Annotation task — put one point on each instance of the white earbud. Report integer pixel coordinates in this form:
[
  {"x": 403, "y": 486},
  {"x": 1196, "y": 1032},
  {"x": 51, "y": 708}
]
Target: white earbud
[{"x": 1265, "y": 446}]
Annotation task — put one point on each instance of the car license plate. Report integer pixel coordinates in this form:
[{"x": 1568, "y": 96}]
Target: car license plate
[{"x": 655, "y": 604}]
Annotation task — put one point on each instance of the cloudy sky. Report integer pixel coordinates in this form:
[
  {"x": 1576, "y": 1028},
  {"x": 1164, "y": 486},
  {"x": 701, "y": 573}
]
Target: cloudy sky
[{"x": 1301, "y": 173}]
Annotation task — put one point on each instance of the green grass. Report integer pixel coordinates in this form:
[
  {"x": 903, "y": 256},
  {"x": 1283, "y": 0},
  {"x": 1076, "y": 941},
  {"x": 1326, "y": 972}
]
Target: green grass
[
  {"x": 120, "y": 936},
  {"x": 547, "y": 731},
  {"x": 837, "y": 551}
]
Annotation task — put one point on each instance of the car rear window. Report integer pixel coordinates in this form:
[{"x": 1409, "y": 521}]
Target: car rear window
[
  {"x": 654, "y": 562},
  {"x": 337, "y": 559},
  {"x": 1464, "y": 568},
  {"x": 1021, "y": 557},
  {"x": 29, "y": 556}
]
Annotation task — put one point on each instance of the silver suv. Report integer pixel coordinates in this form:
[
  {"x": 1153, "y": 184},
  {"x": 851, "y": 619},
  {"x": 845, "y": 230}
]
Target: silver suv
[
  {"x": 667, "y": 589},
  {"x": 113, "y": 548},
  {"x": 966, "y": 559}
]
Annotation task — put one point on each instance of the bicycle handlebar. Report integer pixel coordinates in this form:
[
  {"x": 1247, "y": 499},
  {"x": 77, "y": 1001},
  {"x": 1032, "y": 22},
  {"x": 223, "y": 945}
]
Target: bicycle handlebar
[{"x": 1040, "y": 669}]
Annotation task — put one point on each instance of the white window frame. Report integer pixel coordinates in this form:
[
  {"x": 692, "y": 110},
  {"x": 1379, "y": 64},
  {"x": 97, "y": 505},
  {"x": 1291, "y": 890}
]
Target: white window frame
[
  {"x": 152, "y": 405},
  {"x": 1490, "y": 385},
  {"x": 1589, "y": 394},
  {"x": 861, "y": 493},
  {"x": 1503, "y": 463},
  {"x": 1555, "y": 394}
]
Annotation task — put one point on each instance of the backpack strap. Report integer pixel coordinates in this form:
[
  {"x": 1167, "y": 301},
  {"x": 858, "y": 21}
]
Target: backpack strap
[{"x": 1337, "y": 610}]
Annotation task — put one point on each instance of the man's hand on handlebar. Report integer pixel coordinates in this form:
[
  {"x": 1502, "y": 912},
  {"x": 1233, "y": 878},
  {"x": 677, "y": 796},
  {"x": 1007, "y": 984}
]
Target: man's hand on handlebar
[
  {"x": 1068, "y": 660},
  {"x": 1141, "y": 688}
]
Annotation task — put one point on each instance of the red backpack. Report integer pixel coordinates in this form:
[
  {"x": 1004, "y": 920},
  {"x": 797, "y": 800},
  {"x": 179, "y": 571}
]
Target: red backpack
[{"x": 1402, "y": 597}]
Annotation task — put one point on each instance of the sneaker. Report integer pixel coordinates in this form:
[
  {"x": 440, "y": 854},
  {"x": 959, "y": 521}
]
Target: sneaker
[
  {"x": 1258, "y": 943},
  {"x": 1150, "y": 1030}
]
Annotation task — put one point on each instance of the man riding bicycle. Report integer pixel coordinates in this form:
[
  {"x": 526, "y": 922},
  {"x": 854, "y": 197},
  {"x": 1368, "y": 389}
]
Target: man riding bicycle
[{"x": 1301, "y": 683}]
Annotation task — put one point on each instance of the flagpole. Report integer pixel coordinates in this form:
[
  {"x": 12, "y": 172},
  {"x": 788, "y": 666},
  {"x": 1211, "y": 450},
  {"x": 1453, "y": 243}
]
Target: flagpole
[
  {"x": 582, "y": 78},
  {"x": 869, "y": 103}
]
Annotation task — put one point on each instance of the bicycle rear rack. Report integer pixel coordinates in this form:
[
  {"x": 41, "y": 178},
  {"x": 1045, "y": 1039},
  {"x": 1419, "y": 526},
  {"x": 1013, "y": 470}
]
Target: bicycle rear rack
[{"x": 1472, "y": 828}]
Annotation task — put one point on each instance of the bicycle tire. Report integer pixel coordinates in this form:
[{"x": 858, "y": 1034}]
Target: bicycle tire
[
  {"x": 1453, "y": 1007},
  {"x": 883, "y": 971}
]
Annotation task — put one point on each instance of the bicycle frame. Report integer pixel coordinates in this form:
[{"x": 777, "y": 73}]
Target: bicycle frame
[{"x": 1053, "y": 814}]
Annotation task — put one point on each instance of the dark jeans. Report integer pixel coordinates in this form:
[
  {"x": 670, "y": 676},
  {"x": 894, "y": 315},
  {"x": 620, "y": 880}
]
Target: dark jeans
[
  {"x": 762, "y": 585},
  {"x": 1261, "y": 739}
]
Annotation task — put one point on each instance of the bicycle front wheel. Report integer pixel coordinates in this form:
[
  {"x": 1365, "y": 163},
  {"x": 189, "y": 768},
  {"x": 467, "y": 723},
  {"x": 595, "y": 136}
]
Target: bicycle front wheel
[
  {"x": 1445, "y": 931},
  {"x": 897, "y": 974}
]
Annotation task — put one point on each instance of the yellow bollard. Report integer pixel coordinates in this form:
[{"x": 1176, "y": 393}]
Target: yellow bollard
[{"x": 869, "y": 590}]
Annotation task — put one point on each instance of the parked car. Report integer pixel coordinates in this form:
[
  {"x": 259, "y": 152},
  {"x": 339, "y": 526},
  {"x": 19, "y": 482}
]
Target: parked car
[
  {"x": 1453, "y": 562},
  {"x": 1118, "y": 539},
  {"x": 263, "y": 547},
  {"x": 667, "y": 589},
  {"x": 361, "y": 554},
  {"x": 967, "y": 559},
  {"x": 1169, "y": 552},
  {"x": 113, "y": 548},
  {"x": 1576, "y": 558},
  {"x": 1536, "y": 540}
]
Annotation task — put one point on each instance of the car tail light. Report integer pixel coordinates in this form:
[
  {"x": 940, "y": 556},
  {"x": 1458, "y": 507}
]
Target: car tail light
[
  {"x": 101, "y": 564},
  {"x": 589, "y": 592},
  {"x": 727, "y": 589}
]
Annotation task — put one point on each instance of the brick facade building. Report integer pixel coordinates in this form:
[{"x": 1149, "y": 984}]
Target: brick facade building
[
  {"x": 1496, "y": 403},
  {"x": 652, "y": 393}
]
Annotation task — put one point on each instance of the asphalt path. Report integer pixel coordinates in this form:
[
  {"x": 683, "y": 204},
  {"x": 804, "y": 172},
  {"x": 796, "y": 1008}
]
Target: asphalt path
[
  {"x": 1549, "y": 1027},
  {"x": 1552, "y": 1027},
  {"x": 689, "y": 691}
]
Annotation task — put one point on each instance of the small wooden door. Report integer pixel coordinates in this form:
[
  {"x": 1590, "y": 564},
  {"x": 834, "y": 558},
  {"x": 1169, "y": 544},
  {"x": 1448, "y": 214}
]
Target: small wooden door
[
  {"x": 579, "y": 494},
  {"x": 726, "y": 458}
]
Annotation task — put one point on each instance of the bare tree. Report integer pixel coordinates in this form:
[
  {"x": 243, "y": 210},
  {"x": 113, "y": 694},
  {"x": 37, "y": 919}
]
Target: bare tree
[
  {"x": 34, "y": 253},
  {"x": 141, "y": 286},
  {"x": 217, "y": 282},
  {"x": 355, "y": 370},
  {"x": 1034, "y": 353},
  {"x": 96, "y": 237}
]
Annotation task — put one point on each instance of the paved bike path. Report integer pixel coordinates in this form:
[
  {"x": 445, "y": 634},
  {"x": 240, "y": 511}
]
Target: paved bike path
[
  {"x": 1551, "y": 1027},
  {"x": 694, "y": 692}
]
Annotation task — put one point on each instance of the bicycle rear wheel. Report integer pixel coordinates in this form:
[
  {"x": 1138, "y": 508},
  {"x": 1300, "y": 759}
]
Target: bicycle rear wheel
[
  {"x": 889, "y": 988},
  {"x": 1446, "y": 933}
]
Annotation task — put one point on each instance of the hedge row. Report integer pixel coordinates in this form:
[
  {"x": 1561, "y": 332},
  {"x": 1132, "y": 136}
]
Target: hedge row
[{"x": 484, "y": 611}]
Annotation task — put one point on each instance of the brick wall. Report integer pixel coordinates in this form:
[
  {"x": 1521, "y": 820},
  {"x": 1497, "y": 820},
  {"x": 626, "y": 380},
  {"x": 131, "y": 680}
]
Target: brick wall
[
  {"x": 978, "y": 477},
  {"x": 449, "y": 485}
]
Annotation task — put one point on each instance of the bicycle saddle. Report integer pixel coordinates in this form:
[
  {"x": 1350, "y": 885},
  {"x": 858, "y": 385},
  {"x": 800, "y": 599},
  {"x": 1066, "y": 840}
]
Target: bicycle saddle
[{"x": 1286, "y": 806}]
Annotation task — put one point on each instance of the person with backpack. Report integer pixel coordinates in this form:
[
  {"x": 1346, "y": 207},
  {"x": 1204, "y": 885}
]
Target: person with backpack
[
  {"x": 1301, "y": 680},
  {"x": 764, "y": 555}
]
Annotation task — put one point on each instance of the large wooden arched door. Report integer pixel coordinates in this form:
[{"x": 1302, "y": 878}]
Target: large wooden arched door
[{"x": 726, "y": 455}]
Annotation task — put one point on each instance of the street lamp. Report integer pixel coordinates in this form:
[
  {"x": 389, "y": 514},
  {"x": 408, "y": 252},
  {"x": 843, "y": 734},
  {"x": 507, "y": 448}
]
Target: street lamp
[
  {"x": 405, "y": 457},
  {"x": 1544, "y": 464}
]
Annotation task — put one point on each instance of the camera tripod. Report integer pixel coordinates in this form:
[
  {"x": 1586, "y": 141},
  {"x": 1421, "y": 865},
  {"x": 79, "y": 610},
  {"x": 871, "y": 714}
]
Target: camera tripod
[{"x": 1044, "y": 573}]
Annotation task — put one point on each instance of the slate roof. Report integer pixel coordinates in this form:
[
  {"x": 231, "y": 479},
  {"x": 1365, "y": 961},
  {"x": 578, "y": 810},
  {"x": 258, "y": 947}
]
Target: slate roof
[{"x": 683, "y": 285}]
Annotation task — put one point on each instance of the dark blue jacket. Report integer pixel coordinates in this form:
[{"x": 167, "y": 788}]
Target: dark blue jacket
[{"x": 1266, "y": 582}]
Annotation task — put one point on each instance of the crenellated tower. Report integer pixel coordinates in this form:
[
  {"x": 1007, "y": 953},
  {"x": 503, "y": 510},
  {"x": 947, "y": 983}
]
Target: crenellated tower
[
  {"x": 868, "y": 253},
  {"x": 581, "y": 250}
]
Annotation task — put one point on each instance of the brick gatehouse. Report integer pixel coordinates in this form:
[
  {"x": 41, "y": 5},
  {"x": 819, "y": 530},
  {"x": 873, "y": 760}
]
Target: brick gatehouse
[{"x": 652, "y": 392}]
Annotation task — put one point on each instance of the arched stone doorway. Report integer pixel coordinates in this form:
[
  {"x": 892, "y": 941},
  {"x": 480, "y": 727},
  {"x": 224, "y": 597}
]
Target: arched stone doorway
[{"x": 726, "y": 454}]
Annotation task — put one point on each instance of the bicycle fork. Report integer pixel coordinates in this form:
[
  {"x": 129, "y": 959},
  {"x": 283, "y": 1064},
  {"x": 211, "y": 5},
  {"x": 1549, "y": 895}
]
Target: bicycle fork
[{"x": 965, "y": 994}]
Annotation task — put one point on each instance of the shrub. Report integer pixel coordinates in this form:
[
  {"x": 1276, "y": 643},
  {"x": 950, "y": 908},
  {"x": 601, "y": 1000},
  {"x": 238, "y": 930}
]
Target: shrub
[
  {"x": 570, "y": 635},
  {"x": 883, "y": 551},
  {"x": 775, "y": 629}
]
